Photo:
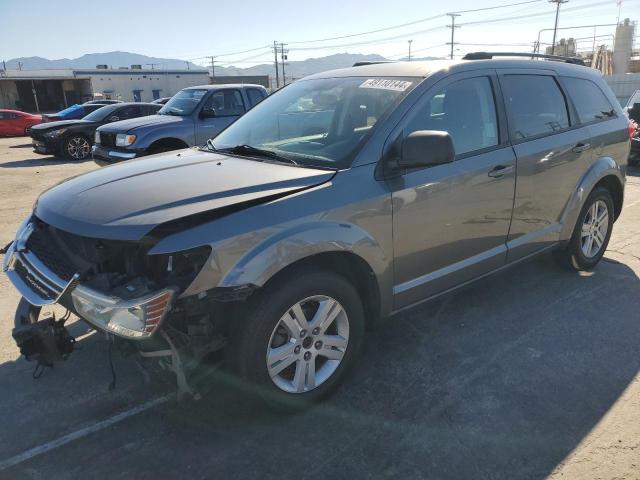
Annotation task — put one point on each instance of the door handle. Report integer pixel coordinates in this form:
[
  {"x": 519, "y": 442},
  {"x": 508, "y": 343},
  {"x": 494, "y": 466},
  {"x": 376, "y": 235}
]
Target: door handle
[
  {"x": 500, "y": 170},
  {"x": 581, "y": 147}
]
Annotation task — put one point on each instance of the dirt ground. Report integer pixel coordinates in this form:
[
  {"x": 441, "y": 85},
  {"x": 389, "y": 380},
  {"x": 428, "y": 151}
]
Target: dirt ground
[{"x": 534, "y": 373}]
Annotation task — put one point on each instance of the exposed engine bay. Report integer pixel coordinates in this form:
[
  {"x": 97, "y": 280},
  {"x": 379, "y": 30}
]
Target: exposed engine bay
[{"x": 117, "y": 287}]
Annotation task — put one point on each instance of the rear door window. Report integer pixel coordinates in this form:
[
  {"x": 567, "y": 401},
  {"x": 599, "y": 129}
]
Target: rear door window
[
  {"x": 535, "y": 104},
  {"x": 130, "y": 111},
  {"x": 255, "y": 96},
  {"x": 590, "y": 101},
  {"x": 226, "y": 103}
]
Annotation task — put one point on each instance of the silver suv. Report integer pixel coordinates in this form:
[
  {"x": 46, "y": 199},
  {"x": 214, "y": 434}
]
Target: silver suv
[{"x": 341, "y": 199}]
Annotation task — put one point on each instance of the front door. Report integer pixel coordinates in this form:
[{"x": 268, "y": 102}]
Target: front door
[
  {"x": 451, "y": 221},
  {"x": 227, "y": 105}
]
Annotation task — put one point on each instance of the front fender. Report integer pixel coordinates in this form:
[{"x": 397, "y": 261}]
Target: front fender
[
  {"x": 284, "y": 248},
  {"x": 601, "y": 168}
]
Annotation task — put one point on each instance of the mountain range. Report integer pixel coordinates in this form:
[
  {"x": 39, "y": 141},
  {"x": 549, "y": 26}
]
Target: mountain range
[{"x": 293, "y": 69}]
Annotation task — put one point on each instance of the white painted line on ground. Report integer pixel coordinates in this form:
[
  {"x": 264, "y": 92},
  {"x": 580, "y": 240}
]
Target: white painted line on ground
[{"x": 83, "y": 432}]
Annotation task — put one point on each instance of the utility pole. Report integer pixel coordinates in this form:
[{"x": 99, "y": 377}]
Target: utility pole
[
  {"x": 213, "y": 69},
  {"x": 152, "y": 65},
  {"x": 409, "y": 49},
  {"x": 187, "y": 64},
  {"x": 275, "y": 59},
  {"x": 20, "y": 68},
  {"x": 555, "y": 28},
  {"x": 453, "y": 27},
  {"x": 283, "y": 58}
]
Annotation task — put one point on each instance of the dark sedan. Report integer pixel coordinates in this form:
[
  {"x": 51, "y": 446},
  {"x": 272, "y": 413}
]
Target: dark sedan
[{"x": 73, "y": 138}]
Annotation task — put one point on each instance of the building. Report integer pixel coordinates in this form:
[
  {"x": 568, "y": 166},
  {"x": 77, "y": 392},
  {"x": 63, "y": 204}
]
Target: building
[
  {"x": 253, "y": 79},
  {"x": 53, "y": 90},
  {"x": 565, "y": 47},
  {"x": 623, "y": 46}
]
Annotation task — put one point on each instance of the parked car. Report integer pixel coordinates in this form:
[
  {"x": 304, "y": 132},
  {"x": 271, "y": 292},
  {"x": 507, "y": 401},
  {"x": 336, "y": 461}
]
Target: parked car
[
  {"x": 73, "y": 112},
  {"x": 15, "y": 123},
  {"x": 278, "y": 250},
  {"x": 74, "y": 138},
  {"x": 633, "y": 112},
  {"x": 102, "y": 102},
  {"x": 162, "y": 100},
  {"x": 189, "y": 118}
]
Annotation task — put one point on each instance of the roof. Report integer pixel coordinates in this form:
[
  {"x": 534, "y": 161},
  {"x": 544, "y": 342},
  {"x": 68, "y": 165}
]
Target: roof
[
  {"x": 217, "y": 86},
  {"x": 427, "y": 68}
]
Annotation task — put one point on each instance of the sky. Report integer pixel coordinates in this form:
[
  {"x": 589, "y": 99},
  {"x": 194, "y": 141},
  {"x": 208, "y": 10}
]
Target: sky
[{"x": 240, "y": 33}]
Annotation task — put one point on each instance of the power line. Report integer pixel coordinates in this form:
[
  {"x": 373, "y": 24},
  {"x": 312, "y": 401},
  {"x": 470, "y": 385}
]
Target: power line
[{"x": 407, "y": 24}]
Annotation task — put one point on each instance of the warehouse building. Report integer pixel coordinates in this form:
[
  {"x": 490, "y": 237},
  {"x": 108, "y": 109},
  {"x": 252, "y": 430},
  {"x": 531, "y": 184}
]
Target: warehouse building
[{"x": 53, "y": 90}]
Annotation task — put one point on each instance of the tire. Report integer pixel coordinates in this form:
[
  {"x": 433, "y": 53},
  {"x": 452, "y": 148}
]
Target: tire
[
  {"x": 76, "y": 147},
  {"x": 589, "y": 240},
  {"x": 263, "y": 331}
]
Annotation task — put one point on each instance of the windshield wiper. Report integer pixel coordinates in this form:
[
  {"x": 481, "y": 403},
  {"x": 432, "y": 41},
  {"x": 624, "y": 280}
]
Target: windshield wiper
[{"x": 248, "y": 150}]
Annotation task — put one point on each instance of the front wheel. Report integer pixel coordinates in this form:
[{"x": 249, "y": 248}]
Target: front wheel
[
  {"x": 592, "y": 232},
  {"x": 76, "y": 147},
  {"x": 301, "y": 337}
]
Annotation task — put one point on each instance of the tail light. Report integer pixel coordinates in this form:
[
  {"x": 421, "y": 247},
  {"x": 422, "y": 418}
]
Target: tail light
[{"x": 633, "y": 127}]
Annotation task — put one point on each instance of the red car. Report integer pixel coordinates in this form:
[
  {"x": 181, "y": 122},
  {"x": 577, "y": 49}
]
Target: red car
[{"x": 15, "y": 123}]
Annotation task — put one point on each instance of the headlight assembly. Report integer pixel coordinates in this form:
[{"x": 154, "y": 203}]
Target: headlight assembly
[
  {"x": 55, "y": 133},
  {"x": 96, "y": 137},
  {"x": 124, "y": 139},
  {"x": 134, "y": 319}
]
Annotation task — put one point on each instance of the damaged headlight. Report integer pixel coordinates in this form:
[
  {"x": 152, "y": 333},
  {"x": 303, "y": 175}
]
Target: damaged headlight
[{"x": 133, "y": 319}]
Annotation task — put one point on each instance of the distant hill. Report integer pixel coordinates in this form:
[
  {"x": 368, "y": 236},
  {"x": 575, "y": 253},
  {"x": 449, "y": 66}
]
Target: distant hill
[
  {"x": 293, "y": 69},
  {"x": 90, "y": 60}
]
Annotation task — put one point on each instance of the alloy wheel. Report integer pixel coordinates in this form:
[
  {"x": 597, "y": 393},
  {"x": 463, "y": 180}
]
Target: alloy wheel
[
  {"x": 78, "y": 148},
  {"x": 308, "y": 344},
  {"x": 594, "y": 229}
]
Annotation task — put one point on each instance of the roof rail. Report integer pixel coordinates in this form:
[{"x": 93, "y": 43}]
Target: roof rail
[
  {"x": 370, "y": 62},
  {"x": 490, "y": 55}
]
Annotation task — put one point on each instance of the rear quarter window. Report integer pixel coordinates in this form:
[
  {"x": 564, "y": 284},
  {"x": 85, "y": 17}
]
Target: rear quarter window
[{"x": 590, "y": 101}]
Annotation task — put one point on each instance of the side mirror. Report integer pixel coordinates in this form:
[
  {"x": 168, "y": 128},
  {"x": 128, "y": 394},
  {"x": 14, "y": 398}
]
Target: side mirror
[
  {"x": 425, "y": 148},
  {"x": 207, "y": 113}
]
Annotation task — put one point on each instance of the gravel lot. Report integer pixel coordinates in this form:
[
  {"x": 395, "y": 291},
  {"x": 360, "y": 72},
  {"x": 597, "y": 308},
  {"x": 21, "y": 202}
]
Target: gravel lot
[{"x": 532, "y": 373}]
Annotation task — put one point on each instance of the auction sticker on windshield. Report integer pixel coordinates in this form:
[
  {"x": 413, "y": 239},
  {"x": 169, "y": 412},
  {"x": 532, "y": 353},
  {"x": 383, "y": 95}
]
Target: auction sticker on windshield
[{"x": 386, "y": 84}]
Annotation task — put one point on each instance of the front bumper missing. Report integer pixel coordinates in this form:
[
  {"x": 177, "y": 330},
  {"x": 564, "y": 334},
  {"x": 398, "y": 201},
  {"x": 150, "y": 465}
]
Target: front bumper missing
[{"x": 135, "y": 319}]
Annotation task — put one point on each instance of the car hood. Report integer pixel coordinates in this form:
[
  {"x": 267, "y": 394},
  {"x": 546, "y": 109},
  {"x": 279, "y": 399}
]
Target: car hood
[
  {"x": 127, "y": 200},
  {"x": 42, "y": 127},
  {"x": 140, "y": 122}
]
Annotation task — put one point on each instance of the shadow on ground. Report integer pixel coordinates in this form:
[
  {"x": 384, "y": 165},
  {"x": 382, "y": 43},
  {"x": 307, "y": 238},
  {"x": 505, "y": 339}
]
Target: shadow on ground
[
  {"x": 41, "y": 162},
  {"x": 502, "y": 379}
]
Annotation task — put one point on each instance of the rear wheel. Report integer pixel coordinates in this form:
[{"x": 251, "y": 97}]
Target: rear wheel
[
  {"x": 301, "y": 337},
  {"x": 76, "y": 147},
  {"x": 592, "y": 232}
]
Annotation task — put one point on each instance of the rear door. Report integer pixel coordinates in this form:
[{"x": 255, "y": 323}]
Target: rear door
[
  {"x": 228, "y": 105},
  {"x": 450, "y": 222},
  {"x": 553, "y": 151}
]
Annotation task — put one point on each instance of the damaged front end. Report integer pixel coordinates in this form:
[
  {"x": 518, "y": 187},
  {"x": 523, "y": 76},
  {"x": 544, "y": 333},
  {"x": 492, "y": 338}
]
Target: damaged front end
[{"x": 115, "y": 286}]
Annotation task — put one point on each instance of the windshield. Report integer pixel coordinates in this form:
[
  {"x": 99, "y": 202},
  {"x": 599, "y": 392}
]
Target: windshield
[
  {"x": 101, "y": 113},
  {"x": 635, "y": 98},
  {"x": 316, "y": 122},
  {"x": 183, "y": 103}
]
